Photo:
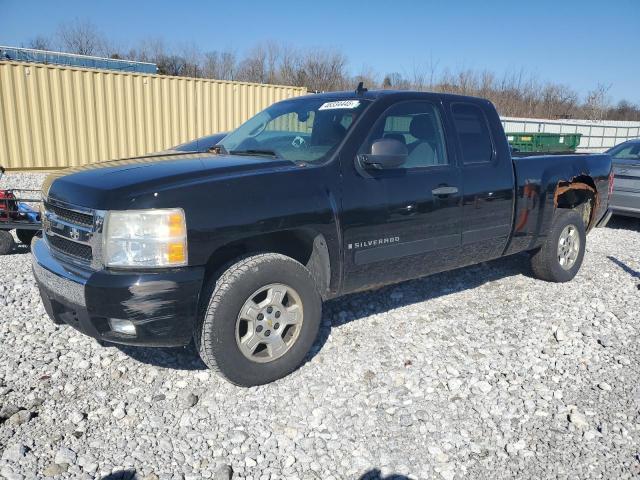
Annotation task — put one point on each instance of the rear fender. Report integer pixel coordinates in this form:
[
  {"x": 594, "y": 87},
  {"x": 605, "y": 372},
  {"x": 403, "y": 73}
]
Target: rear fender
[{"x": 578, "y": 192}]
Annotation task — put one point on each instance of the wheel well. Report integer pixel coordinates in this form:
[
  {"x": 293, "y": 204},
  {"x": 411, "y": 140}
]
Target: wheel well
[
  {"x": 306, "y": 246},
  {"x": 578, "y": 194}
]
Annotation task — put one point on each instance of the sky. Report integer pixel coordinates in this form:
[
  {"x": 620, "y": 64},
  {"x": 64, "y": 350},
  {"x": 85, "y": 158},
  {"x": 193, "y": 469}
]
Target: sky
[{"x": 579, "y": 43}]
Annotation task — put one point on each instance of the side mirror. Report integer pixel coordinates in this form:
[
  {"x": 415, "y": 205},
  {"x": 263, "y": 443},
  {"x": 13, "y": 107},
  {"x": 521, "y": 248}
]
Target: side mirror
[{"x": 385, "y": 153}]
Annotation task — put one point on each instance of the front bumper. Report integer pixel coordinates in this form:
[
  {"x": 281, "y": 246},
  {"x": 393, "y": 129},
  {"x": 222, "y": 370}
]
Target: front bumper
[{"x": 163, "y": 306}]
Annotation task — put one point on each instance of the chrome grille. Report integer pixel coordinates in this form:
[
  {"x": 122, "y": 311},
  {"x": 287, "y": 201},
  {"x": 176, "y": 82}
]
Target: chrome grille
[
  {"x": 71, "y": 232},
  {"x": 68, "y": 215},
  {"x": 69, "y": 247}
]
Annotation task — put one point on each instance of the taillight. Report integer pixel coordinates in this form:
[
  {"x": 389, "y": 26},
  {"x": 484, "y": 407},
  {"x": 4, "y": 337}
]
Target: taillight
[{"x": 611, "y": 180}]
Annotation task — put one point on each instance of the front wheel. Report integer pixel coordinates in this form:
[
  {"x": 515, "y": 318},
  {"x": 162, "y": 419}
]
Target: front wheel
[
  {"x": 261, "y": 320},
  {"x": 7, "y": 243},
  {"x": 561, "y": 255},
  {"x": 25, "y": 236}
]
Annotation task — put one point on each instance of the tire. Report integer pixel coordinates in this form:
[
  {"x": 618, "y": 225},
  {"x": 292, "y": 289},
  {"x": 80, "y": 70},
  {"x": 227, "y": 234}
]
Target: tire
[
  {"x": 547, "y": 262},
  {"x": 25, "y": 236},
  {"x": 7, "y": 243},
  {"x": 227, "y": 318}
]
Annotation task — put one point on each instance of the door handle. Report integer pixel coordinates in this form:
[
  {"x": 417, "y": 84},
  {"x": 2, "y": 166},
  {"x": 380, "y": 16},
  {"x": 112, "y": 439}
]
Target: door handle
[{"x": 444, "y": 191}]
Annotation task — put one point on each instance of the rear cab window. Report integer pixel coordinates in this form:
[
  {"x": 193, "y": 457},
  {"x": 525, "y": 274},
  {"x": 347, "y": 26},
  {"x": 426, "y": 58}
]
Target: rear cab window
[{"x": 474, "y": 136}]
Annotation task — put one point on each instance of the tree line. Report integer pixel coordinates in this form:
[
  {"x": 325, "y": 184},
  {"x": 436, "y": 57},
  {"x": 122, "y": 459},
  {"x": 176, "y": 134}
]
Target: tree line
[{"x": 515, "y": 94}]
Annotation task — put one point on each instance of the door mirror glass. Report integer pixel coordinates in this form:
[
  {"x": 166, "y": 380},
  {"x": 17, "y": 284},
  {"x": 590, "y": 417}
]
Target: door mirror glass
[{"x": 385, "y": 153}]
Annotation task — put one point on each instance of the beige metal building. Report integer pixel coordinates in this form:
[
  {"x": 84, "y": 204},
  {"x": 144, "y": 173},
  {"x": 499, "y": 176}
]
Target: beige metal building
[{"x": 56, "y": 116}]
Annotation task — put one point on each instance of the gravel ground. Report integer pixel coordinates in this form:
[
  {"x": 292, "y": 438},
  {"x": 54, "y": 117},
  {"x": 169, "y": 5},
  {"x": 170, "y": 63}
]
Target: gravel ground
[{"x": 483, "y": 372}]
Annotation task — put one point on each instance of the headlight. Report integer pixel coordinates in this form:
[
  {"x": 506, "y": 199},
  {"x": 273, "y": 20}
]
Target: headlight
[{"x": 145, "y": 238}]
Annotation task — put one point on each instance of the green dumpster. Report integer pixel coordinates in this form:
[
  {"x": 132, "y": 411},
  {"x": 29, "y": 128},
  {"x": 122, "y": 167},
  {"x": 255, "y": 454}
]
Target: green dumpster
[{"x": 544, "y": 142}]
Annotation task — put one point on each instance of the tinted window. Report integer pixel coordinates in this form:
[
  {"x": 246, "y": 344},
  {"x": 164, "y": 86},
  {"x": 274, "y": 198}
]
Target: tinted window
[
  {"x": 473, "y": 133},
  {"x": 628, "y": 151},
  {"x": 417, "y": 125}
]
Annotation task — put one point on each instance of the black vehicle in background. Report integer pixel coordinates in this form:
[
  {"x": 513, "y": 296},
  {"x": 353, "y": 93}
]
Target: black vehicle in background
[
  {"x": 313, "y": 198},
  {"x": 625, "y": 199}
]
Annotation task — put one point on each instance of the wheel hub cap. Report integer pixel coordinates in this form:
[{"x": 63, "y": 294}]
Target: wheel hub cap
[
  {"x": 568, "y": 247},
  {"x": 269, "y": 323}
]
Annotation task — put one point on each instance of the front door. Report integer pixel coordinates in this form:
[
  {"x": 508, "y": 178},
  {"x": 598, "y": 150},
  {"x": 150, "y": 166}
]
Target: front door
[{"x": 404, "y": 222}]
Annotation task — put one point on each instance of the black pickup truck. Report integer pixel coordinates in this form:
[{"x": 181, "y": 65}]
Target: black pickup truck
[{"x": 313, "y": 198}]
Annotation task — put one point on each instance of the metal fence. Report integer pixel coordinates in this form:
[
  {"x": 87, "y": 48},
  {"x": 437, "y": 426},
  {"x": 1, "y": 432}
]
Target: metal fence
[
  {"x": 597, "y": 136},
  {"x": 17, "y": 54},
  {"x": 55, "y": 116}
]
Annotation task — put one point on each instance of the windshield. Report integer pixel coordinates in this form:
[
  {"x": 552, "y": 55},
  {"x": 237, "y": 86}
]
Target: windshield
[
  {"x": 630, "y": 151},
  {"x": 300, "y": 130}
]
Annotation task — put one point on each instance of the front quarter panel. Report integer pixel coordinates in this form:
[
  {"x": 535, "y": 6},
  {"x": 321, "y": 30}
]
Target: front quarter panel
[{"x": 220, "y": 211}]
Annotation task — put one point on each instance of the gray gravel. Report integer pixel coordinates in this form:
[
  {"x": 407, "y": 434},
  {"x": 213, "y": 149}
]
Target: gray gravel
[{"x": 479, "y": 373}]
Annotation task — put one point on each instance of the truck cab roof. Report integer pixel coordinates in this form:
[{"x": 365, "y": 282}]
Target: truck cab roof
[{"x": 397, "y": 94}]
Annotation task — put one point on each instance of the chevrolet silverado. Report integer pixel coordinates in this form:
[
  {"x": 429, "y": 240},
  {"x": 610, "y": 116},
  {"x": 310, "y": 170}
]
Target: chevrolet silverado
[{"x": 236, "y": 248}]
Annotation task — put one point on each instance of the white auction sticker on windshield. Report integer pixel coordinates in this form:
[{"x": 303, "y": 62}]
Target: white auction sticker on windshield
[{"x": 340, "y": 104}]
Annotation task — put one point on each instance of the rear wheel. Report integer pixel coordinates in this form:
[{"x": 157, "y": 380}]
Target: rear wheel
[
  {"x": 561, "y": 255},
  {"x": 6, "y": 242},
  {"x": 262, "y": 317}
]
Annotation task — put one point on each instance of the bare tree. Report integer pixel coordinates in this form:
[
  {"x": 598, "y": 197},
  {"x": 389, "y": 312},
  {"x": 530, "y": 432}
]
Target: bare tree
[
  {"x": 273, "y": 54},
  {"x": 192, "y": 60},
  {"x": 254, "y": 66},
  {"x": 516, "y": 93},
  {"x": 624, "y": 110},
  {"x": 597, "y": 102},
  {"x": 324, "y": 70},
  {"x": 228, "y": 66},
  {"x": 82, "y": 38},
  {"x": 40, "y": 42},
  {"x": 418, "y": 78},
  {"x": 557, "y": 101},
  {"x": 395, "y": 81},
  {"x": 172, "y": 65},
  {"x": 367, "y": 76},
  {"x": 291, "y": 68},
  {"x": 220, "y": 65},
  {"x": 148, "y": 50}
]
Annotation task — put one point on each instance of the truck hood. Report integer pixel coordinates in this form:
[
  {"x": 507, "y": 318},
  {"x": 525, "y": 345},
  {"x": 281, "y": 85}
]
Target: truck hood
[{"x": 94, "y": 185}]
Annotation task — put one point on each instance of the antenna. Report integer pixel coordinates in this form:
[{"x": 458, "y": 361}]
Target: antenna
[{"x": 360, "y": 89}]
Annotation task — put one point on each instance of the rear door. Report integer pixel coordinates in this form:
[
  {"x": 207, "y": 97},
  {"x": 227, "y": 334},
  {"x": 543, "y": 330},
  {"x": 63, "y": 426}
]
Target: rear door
[
  {"x": 403, "y": 222},
  {"x": 487, "y": 181}
]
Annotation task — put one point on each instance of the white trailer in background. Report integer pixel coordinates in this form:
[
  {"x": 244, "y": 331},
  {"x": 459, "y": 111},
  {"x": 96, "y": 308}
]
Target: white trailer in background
[{"x": 597, "y": 136}]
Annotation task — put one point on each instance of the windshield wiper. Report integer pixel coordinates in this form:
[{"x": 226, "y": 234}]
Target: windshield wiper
[
  {"x": 219, "y": 149},
  {"x": 269, "y": 153}
]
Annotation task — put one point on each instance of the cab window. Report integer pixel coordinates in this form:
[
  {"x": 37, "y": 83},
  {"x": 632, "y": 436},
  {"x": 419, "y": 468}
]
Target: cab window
[
  {"x": 473, "y": 133},
  {"x": 631, "y": 152},
  {"x": 418, "y": 126}
]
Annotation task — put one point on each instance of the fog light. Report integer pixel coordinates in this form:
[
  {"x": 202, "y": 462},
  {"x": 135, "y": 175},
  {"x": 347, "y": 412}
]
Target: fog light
[{"x": 125, "y": 327}]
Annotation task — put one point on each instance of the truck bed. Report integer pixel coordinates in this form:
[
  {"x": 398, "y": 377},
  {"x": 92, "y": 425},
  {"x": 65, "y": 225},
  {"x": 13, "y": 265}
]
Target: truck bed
[{"x": 541, "y": 179}]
